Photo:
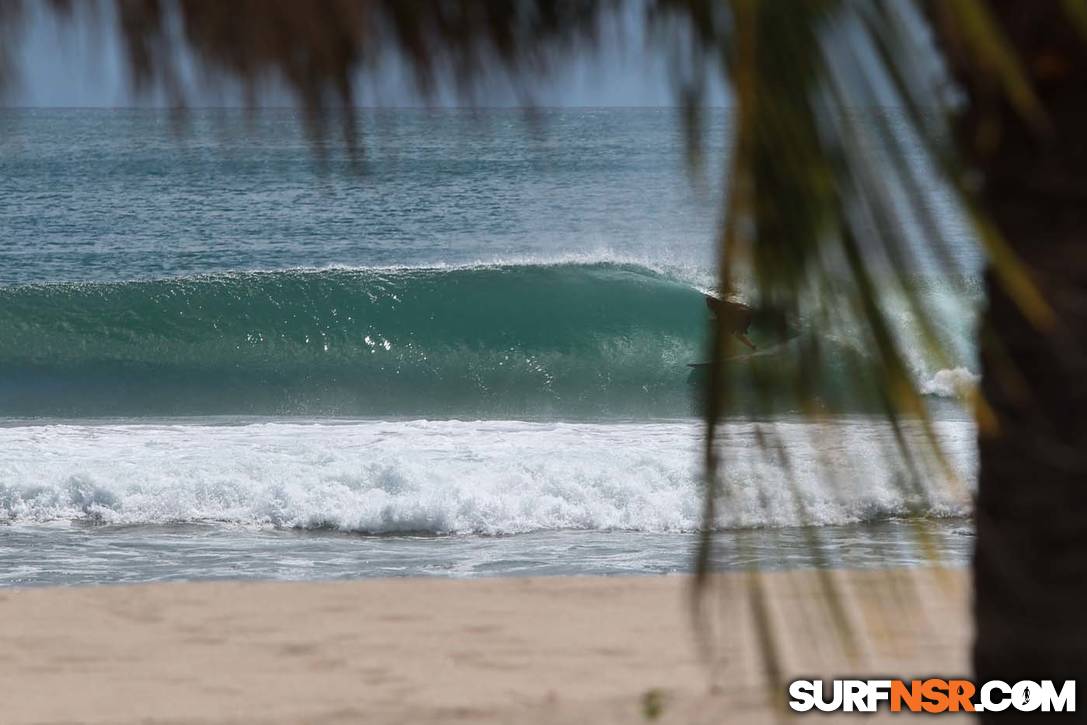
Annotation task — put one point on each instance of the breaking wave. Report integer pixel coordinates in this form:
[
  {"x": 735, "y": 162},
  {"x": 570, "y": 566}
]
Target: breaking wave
[
  {"x": 561, "y": 340},
  {"x": 488, "y": 341},
  {"x": 454, "y": 477}
]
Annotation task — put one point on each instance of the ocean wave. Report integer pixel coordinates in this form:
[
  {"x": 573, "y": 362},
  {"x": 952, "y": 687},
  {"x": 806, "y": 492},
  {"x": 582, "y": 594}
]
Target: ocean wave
[
  {"x": 486, "y": 340},
  {"x": 573, "y": 338},
  {"x": 451, "y": 477}
]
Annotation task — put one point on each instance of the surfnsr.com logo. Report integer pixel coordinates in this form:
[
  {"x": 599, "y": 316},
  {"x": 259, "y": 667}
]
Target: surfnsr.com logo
[{"x": 932, "y": 696}]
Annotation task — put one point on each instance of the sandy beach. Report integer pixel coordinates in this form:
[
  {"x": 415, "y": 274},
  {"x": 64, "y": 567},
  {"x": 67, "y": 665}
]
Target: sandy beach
[{"x": 545, "y": 650}]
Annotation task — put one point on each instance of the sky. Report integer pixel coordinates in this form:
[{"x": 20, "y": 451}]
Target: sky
[{"x": 64, "y": 66}]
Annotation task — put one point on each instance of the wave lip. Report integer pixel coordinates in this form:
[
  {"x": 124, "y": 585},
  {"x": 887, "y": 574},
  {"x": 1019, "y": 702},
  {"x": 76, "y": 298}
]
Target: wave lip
[
  {"x": 451, "y": 477},
  {"x": 488, "y": 340}
]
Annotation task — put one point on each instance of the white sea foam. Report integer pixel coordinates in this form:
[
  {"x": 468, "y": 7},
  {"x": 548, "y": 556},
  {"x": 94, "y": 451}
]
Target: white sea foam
[
  {"x": 951, "y": 383},
  {"x": 488, "y": 477}
]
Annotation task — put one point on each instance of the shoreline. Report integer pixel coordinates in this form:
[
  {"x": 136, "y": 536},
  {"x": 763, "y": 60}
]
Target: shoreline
[
  {"x": 531, "y": 650},
  {"x": 70, "y": 554}
]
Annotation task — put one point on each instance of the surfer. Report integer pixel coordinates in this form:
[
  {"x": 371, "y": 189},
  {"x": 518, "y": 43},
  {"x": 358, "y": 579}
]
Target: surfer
[{"x": 735, "y": 318}]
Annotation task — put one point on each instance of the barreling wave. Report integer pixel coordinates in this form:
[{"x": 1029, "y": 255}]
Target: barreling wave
[{"x": 486, "y": 341}]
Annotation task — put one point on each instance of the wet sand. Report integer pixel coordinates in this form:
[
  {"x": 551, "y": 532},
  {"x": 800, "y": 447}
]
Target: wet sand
[{"x": 543, "y": 650}]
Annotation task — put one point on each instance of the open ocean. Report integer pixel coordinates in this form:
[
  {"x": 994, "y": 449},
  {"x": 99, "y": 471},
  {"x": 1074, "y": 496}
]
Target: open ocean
[{"x": 223, "y": 355}]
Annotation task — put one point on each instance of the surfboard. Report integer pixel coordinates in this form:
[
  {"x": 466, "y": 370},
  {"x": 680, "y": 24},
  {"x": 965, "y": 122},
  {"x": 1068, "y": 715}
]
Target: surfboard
[
  {"x": 734, "y": 358},
  {"x": 761, "y": 352}
]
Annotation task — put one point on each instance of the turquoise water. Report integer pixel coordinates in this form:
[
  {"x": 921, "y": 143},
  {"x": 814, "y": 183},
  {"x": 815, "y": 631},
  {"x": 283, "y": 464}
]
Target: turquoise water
[
  {"x": 223, "y": 350},
  {"x": 488, "y": 341}
]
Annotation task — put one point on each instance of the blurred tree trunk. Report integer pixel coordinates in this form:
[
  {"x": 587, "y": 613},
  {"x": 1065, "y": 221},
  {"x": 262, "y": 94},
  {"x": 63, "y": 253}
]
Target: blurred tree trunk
[{"x": 1030, "y": 569}]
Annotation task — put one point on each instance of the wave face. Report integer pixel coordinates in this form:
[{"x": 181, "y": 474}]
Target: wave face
[
  {"x": 487, "y": 341},
  {"x": 456, "y": 477}
]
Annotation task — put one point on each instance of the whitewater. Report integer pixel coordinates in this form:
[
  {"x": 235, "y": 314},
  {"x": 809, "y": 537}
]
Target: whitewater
[
  {"x": 503, "y": 496},
  {"x": 453, "y": 477}
]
